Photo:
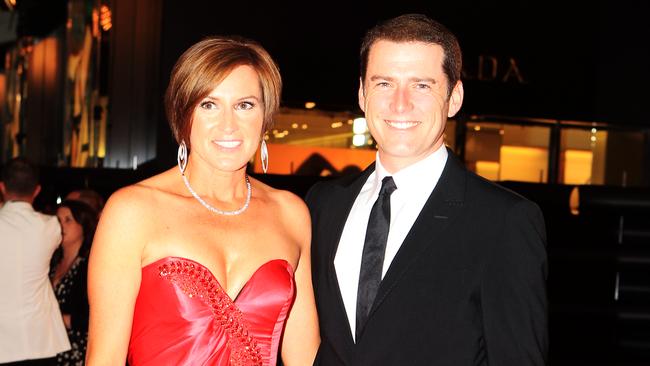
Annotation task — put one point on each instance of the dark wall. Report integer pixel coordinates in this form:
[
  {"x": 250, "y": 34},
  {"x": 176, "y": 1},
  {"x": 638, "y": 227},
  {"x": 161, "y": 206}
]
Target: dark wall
[
  {"x": 134, "y": 86},
  {"x": 625, "y": 159},
  {"x": 42, "y": 107},
  {"x": 584, "y": 62}
]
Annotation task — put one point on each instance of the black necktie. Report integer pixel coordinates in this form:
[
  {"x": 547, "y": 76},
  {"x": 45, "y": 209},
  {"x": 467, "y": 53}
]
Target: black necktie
[{"x": 374, "y": 249}]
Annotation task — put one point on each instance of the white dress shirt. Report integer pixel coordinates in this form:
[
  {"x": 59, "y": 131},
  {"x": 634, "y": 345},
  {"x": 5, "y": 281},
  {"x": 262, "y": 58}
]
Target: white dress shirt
[
  {"x": 31, "y": 326},
  {"x": 414, "y": 186}
]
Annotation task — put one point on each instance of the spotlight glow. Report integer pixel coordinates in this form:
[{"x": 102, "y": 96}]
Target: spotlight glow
[
  {"x": 359, "y": 125},
  {"x": 359, "y": 139}
]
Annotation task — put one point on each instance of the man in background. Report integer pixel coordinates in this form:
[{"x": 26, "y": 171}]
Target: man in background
[{"x": 31, "y": 326}]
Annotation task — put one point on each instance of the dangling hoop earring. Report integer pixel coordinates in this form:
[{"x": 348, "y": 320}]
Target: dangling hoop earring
[
  {"x": 264, "y": 154},
  {"x": 181, "y": 158}
]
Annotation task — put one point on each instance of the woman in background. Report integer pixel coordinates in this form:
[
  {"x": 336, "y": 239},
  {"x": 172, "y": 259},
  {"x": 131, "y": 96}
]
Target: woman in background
[
  {"x": 202, "y": 264},
  {"x": 68, "y": 275}
]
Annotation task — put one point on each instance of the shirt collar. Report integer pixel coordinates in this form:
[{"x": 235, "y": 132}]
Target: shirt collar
[
  {"x": 17, "y": 204},
  {"x": 419, "y": 177}
]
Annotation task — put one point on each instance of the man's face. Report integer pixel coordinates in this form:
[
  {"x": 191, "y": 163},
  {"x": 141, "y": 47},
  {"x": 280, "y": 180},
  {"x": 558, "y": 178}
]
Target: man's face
[{"x": 404, "y": 97}]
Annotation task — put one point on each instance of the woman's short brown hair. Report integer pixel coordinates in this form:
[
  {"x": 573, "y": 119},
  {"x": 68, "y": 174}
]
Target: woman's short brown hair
[{"x": 204, "y": 65}]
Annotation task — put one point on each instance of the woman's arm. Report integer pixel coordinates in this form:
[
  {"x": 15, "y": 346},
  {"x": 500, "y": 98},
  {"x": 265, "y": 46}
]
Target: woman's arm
[
  {"x": 114, "y": 273},
  {"x": 301, "y": 337}
]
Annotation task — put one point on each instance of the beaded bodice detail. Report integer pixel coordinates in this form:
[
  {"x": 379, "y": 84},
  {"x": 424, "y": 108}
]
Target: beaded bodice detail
[
  {"x": 197, "y": 281},
  {"x": 183, "y": 316}
]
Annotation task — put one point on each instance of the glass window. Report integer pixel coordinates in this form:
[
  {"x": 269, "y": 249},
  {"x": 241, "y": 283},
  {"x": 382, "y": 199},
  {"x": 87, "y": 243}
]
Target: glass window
[
  {"x": 450, "y": 134},
  {"x": 581, "y": 156},
  {"x": 598, "y": 156},
  {"x": 623, "y": 158},
  {"x": 315, "y": 142},
  {"x": 500, "y": 152}
]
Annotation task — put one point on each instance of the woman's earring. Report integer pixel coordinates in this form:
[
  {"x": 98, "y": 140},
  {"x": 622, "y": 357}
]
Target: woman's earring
[
  {"x": 182, "y": 157},
  {"x": 264, "y": 154}
]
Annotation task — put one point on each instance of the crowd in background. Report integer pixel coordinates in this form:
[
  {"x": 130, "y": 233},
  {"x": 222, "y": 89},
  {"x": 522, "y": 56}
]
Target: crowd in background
[{"x": 43, "y": 271}]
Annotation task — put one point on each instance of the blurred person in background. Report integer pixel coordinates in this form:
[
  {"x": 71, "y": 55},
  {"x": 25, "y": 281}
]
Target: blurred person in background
[
  {"x": 31, "y": 326},
  {"x": 69, "y": 275},
  {"x": 89, "y": 197}
]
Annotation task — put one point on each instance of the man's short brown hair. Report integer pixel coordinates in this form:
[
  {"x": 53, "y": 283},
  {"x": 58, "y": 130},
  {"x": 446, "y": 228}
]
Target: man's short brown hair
[
  {"x": 417, "y": 28},
  {"x": 20, "y": 177}
]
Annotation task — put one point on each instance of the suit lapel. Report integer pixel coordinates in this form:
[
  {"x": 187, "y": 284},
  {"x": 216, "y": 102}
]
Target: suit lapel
[
  {"x": 443, "y": 206},
  {"x": 341, "y": 204}
]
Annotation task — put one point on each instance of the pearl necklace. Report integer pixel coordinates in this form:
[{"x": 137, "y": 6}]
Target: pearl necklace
[{"x": 216, "y": 210}]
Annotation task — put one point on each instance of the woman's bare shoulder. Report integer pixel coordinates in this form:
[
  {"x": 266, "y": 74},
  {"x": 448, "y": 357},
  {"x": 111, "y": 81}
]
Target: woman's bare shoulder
[
  {"x": 285, "y": 201},
  {"x": 142, "y": 197},
  {"x": 291, "y": 210}
]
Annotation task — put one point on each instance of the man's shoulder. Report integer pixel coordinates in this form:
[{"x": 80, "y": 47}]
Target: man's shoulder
[
  {"x": 479, "y": 190},
  {"x": 49, "y": 220},
  {"x": 485, "y": 190},
  {"x": 15, "y": 210},
  {"x": 24, "y": 221},
  {"x": 329, "y": 184},
  {"x": 323, "y": 189}
]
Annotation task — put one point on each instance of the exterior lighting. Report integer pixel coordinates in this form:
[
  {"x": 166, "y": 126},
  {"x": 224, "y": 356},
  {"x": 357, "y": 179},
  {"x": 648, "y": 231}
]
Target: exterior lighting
[
  {"x": 359, "y": 125},
  {"x": 279, "y": 135},
  {"x": 304, "y": 126},
  {"x": 310, "y": 105},
  {"x": 105, "y": 18},
  {"x": 10, "y": 4},
  {"x": 337, "y": 124},
  {"x": 294, "y": 125},
  {"x": 477, "y": 128},
  {"x": 359, "y": 139}
]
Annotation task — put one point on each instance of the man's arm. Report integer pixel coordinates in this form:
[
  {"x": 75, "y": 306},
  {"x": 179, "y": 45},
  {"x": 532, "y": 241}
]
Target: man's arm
[{"x": 513, "y": 293}]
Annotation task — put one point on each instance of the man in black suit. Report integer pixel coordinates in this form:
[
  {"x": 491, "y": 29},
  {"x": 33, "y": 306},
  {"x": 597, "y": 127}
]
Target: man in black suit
[{"x": 417, "y": 261}]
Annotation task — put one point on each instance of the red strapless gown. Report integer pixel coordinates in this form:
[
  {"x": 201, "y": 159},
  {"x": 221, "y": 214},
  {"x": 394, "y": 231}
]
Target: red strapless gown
[{"x": 183, "y": 316}]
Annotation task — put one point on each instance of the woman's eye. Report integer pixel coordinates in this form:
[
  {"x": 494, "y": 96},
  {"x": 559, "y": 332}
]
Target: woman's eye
[
  {"x": 245, "y": 106},
  {"x": 208, "y": 105}
]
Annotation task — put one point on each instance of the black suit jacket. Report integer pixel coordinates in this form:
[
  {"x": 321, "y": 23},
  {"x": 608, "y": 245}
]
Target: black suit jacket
[{"x": 467, "y": 286}]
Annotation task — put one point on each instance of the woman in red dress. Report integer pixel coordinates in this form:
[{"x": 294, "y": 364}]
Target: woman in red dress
[{"x": 202, "y": 264}]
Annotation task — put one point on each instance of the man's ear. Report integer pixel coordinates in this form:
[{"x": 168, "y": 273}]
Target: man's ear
[
  {"x": 456, "y": 99},
  {"x": 362, "y": 97},
  {"x": 36, "y": 191}
]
